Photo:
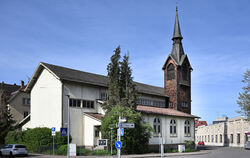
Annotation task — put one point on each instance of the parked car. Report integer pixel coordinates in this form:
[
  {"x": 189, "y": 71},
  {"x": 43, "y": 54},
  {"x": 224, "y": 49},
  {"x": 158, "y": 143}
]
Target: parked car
[
  {"x": 201, "y": 143},
  {"x": 247, "y": 145},
  {"x": 14, "y": 149}
]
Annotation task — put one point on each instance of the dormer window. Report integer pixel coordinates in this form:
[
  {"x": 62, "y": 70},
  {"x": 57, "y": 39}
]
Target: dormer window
[{"x": 170, "y": 72}]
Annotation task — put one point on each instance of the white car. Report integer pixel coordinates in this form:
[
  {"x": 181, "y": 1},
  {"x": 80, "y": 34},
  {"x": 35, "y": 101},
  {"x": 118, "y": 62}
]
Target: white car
[
  {"x": 14, "y": 149},
  {"x": 247, "y": 145}
]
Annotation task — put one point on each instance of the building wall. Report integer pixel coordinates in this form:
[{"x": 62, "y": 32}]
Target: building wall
[
  {"x": 17, "y": 108},
  {"x": 209, "y": 133},
  {"x": 46, "y": 101},
  {"x": 236, "y": 126},
  {"x": 165, "y": 129},
  {"x": 233, "y": 127},
  {"x": 89, "y": 131}
]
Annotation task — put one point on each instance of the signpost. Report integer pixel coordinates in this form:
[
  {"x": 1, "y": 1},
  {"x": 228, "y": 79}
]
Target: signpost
[
  {"x": 102, "y": 142},
  {"x": 125, "y": 125},
  {"x": 53, "y": 133}
]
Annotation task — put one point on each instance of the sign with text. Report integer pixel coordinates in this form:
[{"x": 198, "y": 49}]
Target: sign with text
[
  {"x": 72, "y": 149},
  {"x": 102, "y": 142},
  {"x": 126, "y": 125}
]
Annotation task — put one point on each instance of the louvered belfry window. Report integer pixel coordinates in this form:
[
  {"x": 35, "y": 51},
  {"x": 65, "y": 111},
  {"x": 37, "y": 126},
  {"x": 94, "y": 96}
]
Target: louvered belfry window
[{"x": 170, "y": 72}]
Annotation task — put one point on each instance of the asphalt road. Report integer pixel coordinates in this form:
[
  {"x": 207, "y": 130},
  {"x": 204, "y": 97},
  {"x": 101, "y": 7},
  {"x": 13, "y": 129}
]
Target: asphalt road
[{"x": 210, "y": 152}]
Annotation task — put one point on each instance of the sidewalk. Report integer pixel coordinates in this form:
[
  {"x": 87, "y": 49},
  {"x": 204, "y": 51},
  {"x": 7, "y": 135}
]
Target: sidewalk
[{"x": 130, "y": 156}]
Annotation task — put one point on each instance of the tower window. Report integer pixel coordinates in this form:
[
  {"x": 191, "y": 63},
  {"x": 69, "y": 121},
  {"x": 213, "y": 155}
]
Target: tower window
[
  {"x": 184, "y": 104},
  {"x": 170, "y": 72}
]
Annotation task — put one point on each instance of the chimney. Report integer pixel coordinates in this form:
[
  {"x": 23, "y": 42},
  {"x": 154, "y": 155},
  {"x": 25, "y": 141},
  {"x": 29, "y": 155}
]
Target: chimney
[{"x": 22, "y": 84}]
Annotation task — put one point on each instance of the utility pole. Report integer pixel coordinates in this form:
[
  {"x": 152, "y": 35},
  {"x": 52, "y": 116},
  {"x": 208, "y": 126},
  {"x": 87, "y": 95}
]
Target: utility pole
[
  {"x": 119, "y": 137},
  {"x": 111, "y": 141},
  {"x": 68, "y": 156}
]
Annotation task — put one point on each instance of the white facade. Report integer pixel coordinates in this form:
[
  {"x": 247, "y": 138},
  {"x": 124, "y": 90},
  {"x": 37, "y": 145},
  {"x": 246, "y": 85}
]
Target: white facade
[
  {"x": 49, "y": 108},
  {"x": 179, "y": 137}
]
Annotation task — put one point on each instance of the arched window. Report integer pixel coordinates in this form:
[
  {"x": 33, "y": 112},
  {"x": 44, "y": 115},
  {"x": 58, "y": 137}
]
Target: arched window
[
  {"x": 187, "y": 128},
  {"x": 170, "y": 72},
  {"x": 184, "y": 72},
  {"x": 172, "y": 127},
  {"x": 157, "y": 125}
]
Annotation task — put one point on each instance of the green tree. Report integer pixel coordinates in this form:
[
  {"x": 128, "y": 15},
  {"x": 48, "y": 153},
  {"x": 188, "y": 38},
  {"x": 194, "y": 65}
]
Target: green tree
[
  {"x": 128, "y": 92},
  {"x": 122, "y": 102},
  {"x": 135, "y": 139},
  {"x": 244, "y": 97},
  {"x": 113, "y": 81},
  {"x": 6, "y": 119}
]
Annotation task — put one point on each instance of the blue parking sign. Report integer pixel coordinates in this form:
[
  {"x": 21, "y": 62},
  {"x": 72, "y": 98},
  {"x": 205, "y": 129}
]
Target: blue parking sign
[
  {"x": 64, "y": 131},
  {"x": 53, "y": 129}
]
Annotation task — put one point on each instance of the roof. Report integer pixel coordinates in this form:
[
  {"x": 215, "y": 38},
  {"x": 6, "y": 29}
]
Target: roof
[
  {"x": 9, "y": 88},
  {"x": 96, "y": 115},
  {"x": 163, "y": 111},
  {"x": 200, "y": 123},
  {"x": 67, "y": 74}
]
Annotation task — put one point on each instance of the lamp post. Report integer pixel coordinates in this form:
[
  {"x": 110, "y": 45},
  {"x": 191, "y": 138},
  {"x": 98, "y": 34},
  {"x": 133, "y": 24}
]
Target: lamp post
[{"x": 68, "y": 156}]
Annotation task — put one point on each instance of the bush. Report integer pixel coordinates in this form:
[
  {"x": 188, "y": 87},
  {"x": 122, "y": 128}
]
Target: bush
[
  {"x": 83, "y": 151},
  {"x": 35, "y": 139},
  {"x": 189, "y": 150},
  {"x": 189, "y": 144},
  {"x": 100, "y": 152},
  {"x": 62, "y": 150}
]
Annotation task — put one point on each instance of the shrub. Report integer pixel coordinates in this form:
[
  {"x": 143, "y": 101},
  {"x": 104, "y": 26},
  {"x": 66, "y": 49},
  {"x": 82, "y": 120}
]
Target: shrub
[
  {"x": 100, "y": 152},
  {"x": 189, "y": 150},
  {"x": 83, "y": 151},
  {"x": 62, "y": 150},
  {"x": 189, "y": 144},
  {"x": 35, "y": 139}
]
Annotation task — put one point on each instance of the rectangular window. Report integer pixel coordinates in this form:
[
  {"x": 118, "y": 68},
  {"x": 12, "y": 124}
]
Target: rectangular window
[
  {"x": 25, "y": 114},
  {"x": 174, "y": 129},
  {"x": 205, "y": 138},
  {"x": 238, "y": 138},
  {"x": 212, "y": 138},
  {"x": 26, "y": 101},
  {"x": 103, "y": 96},
  {"x": 171, "y": 130},
  {"x": 216, "y": 138},
  {"x": 246, "y": 137},
  {"x": 232, "y": 138},
  {"x": 220, "y": 138},
  {"x": 97, "y": 133},
  {"x": 208, "y": 138}
]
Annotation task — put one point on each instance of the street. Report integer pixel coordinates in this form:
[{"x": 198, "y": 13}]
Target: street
[{"x": 209, "y": 152}]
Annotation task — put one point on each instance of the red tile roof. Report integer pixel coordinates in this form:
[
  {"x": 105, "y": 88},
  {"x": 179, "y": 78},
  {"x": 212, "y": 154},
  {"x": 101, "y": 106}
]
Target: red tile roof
[
  {"x": 200, "y": 123},
  {"x": 163, "y": 111},
  {"x": 96, "y": 115}
]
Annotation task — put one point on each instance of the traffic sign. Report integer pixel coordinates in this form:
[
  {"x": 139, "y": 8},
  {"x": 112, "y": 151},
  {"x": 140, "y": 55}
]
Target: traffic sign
[
  {"x": 64, "y": 131},
  {"x": 53, "y": 131},
  {"x": 102, "y": 142},
  {"x": 118, "y": 144},
  {"x": 121, "y": 131},
  {"x": 126, "y": 125}
]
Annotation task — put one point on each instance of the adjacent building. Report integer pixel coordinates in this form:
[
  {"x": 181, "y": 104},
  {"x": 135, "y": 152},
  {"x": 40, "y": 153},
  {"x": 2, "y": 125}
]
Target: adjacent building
[
  {"x": 225, "y": 132},
  {"x": 167, "y": 109}
]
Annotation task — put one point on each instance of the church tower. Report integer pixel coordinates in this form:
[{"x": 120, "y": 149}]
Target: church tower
[{"x": 177, "y": 74}]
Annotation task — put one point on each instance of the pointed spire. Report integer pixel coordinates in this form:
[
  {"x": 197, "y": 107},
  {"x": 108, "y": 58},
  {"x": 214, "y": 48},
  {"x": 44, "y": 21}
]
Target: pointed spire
[{"x": 177, "y": 30}]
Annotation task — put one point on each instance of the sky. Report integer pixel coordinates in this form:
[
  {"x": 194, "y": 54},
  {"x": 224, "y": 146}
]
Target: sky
[{"x": 82, "y": 34}]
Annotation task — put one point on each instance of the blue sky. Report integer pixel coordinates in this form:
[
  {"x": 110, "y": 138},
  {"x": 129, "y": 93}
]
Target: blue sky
[{"x": 82, "y": 34}]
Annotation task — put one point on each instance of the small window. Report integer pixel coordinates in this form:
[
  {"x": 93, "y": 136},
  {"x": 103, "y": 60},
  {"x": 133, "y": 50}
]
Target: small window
[
  {"x": 173, "y": 127},
  {"x": 220, "y": 138},
  {"x": 157, "y": 125},
  {"x": 216, "y": 138},
  {"x": 170, "y": 72},
  {"x": 171, "y": 104},
  {"x": 238, "y": 138},
  {"x": 97, "y": 133},
  {"x": 103, "y": 96},
  {"x": 232, "y": 138},
  {"x": 184, "y": 104},
  {"x": 187, "y": 128},
  {"x": 25, "y": 114}
]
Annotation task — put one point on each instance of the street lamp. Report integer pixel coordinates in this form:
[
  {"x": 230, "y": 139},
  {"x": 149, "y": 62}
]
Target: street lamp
[{"x": 68, "y": 156}]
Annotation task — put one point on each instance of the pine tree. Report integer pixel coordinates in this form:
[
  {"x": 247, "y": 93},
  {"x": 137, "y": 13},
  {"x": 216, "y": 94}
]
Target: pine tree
[
  {"x": 113, "y": 69},
  {"x": 244, "y": 97},
  {"x": 128, "y": 92},
  {"x": 6, "y": 119}
]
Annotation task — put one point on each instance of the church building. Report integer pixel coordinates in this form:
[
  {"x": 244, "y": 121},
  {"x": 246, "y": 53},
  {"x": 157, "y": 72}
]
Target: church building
[{"x": 167, "y": 109}]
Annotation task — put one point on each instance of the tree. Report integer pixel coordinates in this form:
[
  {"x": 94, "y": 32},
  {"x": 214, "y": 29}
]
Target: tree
[
  {"x": 122, "y": 102},
  {"x": 244, "y": 97},
  {"x": 135, "y": 139},
  {"x": 6, "y": 119},
  {"x": 128, "y": 92},
  {"x": 113, "y": 69}
]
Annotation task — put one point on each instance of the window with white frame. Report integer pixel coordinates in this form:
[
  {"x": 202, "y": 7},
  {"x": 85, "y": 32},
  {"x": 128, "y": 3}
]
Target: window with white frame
[
  {"x": 187, "y": 128},
  {"x": 173, "y": 128},
  {"x": 157, "y": 125}
]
